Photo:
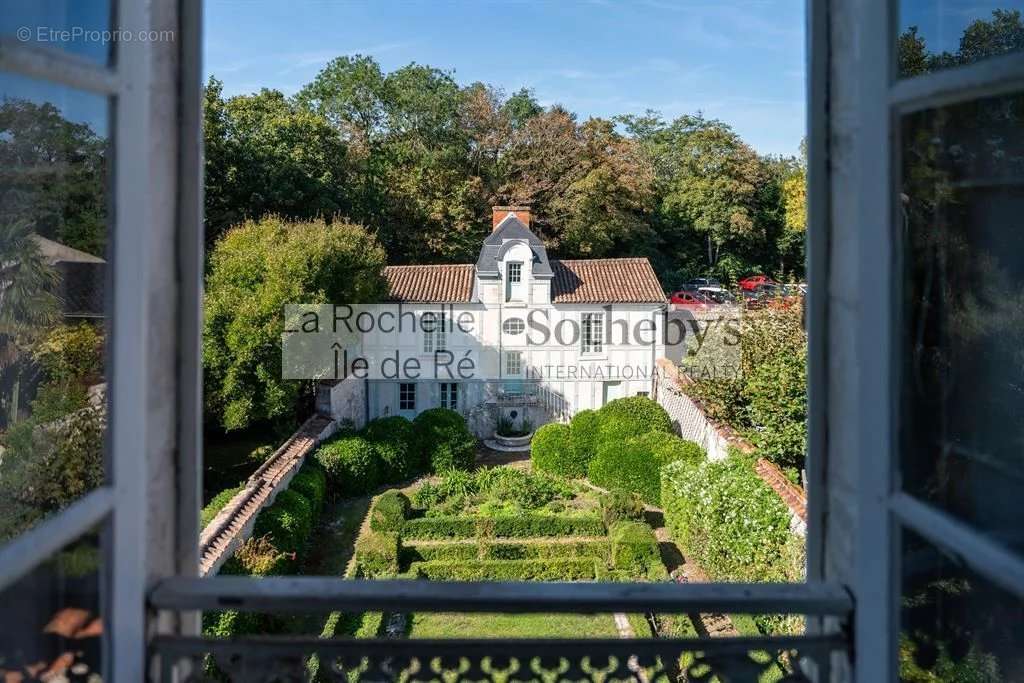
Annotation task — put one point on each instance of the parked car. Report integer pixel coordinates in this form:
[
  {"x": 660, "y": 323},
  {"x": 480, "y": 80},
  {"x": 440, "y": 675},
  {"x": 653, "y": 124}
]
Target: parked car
[
  {"x": 718, "y": 295},
  {"x": 701, "y": 282},
  {"x": 691, "y": 300},
  {"x": 749, "y": 283},
  {"x": 758, "y": 296}
]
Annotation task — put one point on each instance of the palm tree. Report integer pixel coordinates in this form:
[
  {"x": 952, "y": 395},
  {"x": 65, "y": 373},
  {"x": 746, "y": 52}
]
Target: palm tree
[{"x": 28, "y": 305}]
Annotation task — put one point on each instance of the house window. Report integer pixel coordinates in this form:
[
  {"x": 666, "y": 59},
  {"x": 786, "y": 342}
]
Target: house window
[
  {"x": 513, "y": 362},
  {"x": 434, "y": 337},
  {"x": 515, "y": 273},
  {"x": 592, "y": 333},
  {"x": 513, "y": 326},
  {"x": 450, "y": 395},
  {"x": 407, "y": 396}
]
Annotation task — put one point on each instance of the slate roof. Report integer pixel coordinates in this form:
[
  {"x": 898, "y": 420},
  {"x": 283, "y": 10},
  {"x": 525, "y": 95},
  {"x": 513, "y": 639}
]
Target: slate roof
[
  {"x": 602, "y": 281},
  {"x": 511, "y": 228}
]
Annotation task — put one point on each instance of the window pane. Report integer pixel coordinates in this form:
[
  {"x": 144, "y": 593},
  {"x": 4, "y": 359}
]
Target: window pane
[
  {"x": 53, "y": 236},
  {"x": 81, "y": 27},
  {"x": 955, "y": 625},
  {"x": 52, "y": 618},
  {"x": 939, "y": 35}
]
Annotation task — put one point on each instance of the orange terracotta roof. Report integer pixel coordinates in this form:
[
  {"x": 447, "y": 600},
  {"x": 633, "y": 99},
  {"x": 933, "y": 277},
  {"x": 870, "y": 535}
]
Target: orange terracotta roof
[
  {"x": 433, "y": 284},
  {"x": 617, "y": 280}
]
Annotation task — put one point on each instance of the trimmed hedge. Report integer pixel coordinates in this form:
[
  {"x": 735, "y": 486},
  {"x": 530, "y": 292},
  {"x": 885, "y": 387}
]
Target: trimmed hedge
[
  {"x": 389, "y": 511},
  {"x": 351, "y": 466},
  {"x": 393, "y": 441},
  {"x": 583, "y": 434},
  {"x": 445, "y": 439},
  {"x": 288, "y": 522},
  {"x": 217, "y": 504},
  {"x": 377, "y": 554},
  {"x": 447, "y": 551},
  {"x": 729, "y": 521},
  {"x": 620, "y": 506},
  {"x": 311, "y": 482},
  {"x": 551, "y": 451},
  {"x": 525, "y": 525},
  {"x": 506, "y": 570},
  {"x": 634, "y": 466},
  {"x": 626, "y": 418},
  {"x": 634, "y": 547},
  {"x": 495, "y": 549}
]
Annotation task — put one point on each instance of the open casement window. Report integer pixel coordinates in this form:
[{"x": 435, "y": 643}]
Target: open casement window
[
  {"x": 101, "y": 250},
  {"x": 939, "y": 191}
]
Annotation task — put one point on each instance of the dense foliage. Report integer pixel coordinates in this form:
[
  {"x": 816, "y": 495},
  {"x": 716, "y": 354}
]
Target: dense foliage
[
  {"x": 394, "y": 442},
  {"x": 729, "y": 521},
  {"x": 634, "y": 466},
  {"x": 351, "y": 465},
  {"x": 551, "y": 451},
  {"x": 254, "y": 271},
  {"x": 625, "y": 418},
  {"x": 635, "y": 548},
  {"x": 445, "y": 440}
]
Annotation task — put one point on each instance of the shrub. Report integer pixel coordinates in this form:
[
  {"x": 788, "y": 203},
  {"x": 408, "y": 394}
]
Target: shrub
[
  {"x": 524, "y": 489},
  {"x": 311, "y": 482},
  {"x": 445, "y": 550},
  {"x": 634, "y": 466},
  {"x": 777, "y": 394},
  {"x": 551, "y": 451},
  {"x": 506, "y": 570},
  {"x": 389, "y": 511},
  {"x": 288, "y": 522},
  {"x": 377, "y": 554},
  {"x": 71, "y": 352},
  {"x": 439, "y": 527},
  {"x": 634, "y": 547},
  {"x": 351, "y": 466},
  {"x": 259, "y": 557},
  {"x": 583, "y": 435},
  {"x": 728, "y": 520},
  {"x": 217, "y": 504},
  {"x": 445, "y": 439},
  {"x": 392, "y": 438},
  {"x": 625, "y": 418},
  {"x": 620, "y": 506},
  {"x": 553, "y": 549},
  {"x": 537, "y": 524}
]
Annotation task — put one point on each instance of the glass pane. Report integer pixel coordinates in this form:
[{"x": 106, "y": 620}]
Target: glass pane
[
  {"x": 939, "y": 34},
  {"x": 963, "y": 321},
  {"x": 81, "y": 27},
  {"x": 53, "y": 236},
  {"x": 955, "y": 625},
  {"x": 53, "y": 628}
]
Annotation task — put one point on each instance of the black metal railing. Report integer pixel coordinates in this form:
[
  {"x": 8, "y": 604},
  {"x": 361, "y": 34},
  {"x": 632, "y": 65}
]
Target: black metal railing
[{"x": 266, "y": 659}]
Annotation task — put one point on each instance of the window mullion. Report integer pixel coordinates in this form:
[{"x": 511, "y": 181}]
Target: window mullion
[
  {"x": 56, "y": 66},
  {"x": 990, "y": 77}
]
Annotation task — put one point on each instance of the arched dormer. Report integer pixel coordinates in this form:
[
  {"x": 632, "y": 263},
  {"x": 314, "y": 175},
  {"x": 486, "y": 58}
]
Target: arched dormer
[{"x": 513, "y": 266}]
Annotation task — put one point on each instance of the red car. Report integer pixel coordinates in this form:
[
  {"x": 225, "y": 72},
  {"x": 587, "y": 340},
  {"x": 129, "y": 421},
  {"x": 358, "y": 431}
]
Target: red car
[
  {"x": 754, "y": 281},
  {"x": 691, "y": 300}
]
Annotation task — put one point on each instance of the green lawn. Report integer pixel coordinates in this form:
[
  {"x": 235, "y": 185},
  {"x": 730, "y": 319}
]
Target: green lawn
[{"x": 449, "y": 625}]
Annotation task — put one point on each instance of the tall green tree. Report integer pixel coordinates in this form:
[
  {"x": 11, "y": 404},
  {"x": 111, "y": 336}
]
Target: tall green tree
[{"x": 254, "y": 271}]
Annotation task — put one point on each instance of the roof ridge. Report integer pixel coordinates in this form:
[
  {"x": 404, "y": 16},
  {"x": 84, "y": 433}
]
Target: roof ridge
[{"x": 432, "y": 265}]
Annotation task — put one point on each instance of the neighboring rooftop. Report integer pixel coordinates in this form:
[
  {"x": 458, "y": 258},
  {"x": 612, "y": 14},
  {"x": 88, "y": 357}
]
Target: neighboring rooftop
[
  {"x": 55, "y": 252},
  {"x": 430, "y": 284}
]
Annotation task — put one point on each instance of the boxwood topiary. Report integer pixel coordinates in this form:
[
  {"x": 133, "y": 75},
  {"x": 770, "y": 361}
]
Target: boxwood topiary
[
  {"x": 445, "y": 439},
  {"x": 311, "y": 482},
  {"x": 634, "y": 547},
  {"x": 377, "y": 554},
  {"x": 551, "y": 451},
  {"x": 634, "y": 466},
  {"x": 351, "y": 466},
  {"x": 583, "y": 433},
  {"x": 288, "y": 522},
  {"x": 629, "y": 417},
  {"x": 621, "y": 506},
  {"x": 389, "y": 511},
  {"x": 392, "y": 438}
]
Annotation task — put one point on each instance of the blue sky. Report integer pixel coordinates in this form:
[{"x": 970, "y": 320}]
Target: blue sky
[{"x": 739, "y": 61}]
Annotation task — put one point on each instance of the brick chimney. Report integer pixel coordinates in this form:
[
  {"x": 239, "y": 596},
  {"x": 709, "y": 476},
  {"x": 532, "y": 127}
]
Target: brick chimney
[{"x": 498, "y": 214}]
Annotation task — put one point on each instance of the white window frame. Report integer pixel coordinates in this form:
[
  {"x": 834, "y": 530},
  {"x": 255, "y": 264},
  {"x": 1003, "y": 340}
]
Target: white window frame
[
  {"x": 435, "y": 338},
  {"x": 155, "y": 234},
  {"x": 591, "y": 341},
  {"x": 513, "y": 363},
  {"x": 883, "y": 510},
  {"x": 450, "y": 395},
  {"x": 406, "y": 395},
  {"x": 515, "y": 272}
]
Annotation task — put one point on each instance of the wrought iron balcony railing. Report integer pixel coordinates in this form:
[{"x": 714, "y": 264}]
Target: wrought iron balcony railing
[{"x": 263, "y": 659}]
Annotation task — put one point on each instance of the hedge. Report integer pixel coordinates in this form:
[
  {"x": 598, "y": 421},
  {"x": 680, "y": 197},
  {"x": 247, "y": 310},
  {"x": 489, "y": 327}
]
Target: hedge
[
  {"x": 351, "y": 466},
  {"x": 634, "y": 547},
  {"x": 217, "y": 504},
  {"x": 445, "y": 439},
  {"x": 513, "y": 526},
  {"x": 501, "y": 549},
  {"x": 634, "y": 465},
  {"x": 377, "y": 554},
  {"x": 338, "y": 624},
  {"x": 619, "y": 506},
  {"x": 729, "y": 521},
  {"x": 625, "y": 418},
  {"x": 507, "y": 570},
  {"x": 445, "y": 551},
  {"x": 288, "y": 522},
  {"x": 583, "y": 434},
  {"x": 311, "y": 482},
  {"x": 389, "y": 511},
  {"x": 395, "y": 446},
  {"x": 551, "y": 451}
]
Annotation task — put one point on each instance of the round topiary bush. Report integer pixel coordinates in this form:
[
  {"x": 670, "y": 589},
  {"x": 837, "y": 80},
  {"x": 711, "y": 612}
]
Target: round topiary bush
[
  {"x": 445, "y": 439},
  {"x": 634, "y": 465},
  {"x": 389, "y": 511},
  {"x": 625, "y": 418},
  {"x": 288, "y": 522},
  {"x": 551, "y": 451},
  {"x": 392, "y": 438},
  {"x": 583, "y": 433},
  {"x": 351, "y": 466},
  {"x": 311, "y": 482}
]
